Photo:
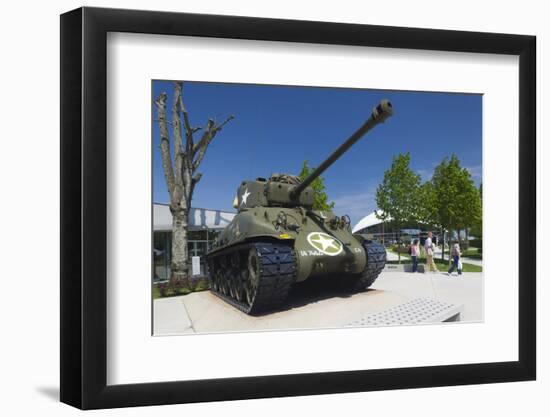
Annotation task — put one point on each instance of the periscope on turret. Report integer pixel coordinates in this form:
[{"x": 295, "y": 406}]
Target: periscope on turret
[{"x": 278, "y": 239}]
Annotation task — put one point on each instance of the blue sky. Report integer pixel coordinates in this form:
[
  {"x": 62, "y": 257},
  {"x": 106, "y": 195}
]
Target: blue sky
[{"x": 277, "y": 127}]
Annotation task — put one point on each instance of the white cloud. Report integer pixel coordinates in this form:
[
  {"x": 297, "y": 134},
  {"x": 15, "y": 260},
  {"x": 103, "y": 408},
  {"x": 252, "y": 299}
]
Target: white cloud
[
  {"x": 475, "y": 171},
  {"x": 357, "y": 205},
  {"x": 425, "y": 174}
]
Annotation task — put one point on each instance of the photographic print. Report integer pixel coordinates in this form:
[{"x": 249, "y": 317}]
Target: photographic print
[
  {"x": 306, "y": 193},
  {"x": 301, "y": 207}
]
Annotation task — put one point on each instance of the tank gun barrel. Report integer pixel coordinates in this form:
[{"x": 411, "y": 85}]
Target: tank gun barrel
[{"x": 379, "y": 114}]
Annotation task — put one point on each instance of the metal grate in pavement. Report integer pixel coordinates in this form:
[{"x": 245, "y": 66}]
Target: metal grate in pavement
[{"x": 416, "y": 311}]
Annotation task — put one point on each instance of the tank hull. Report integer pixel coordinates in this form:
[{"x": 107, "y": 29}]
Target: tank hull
[
  {"x": 259, "y": 257},
  {"x": 320, "y": 250}
]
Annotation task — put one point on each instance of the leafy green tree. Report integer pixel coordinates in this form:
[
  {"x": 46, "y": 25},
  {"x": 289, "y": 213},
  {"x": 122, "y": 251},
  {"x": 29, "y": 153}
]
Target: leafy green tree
[
  {"x": 477, "y": 228},
  {"x": 399, "y": 196},
  {"x": 321, "y": 198},
  {"x": 427, "y": 205},
  {"x": 457, "y": 198}
]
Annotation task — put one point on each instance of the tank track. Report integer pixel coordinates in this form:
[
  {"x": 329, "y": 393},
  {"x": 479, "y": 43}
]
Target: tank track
[
  {"x": 376, "y": 260},
  {"x": 230, "y": 272}
]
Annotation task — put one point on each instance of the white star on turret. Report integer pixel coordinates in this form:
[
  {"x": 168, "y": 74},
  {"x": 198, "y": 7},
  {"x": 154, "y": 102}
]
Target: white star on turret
[{"x": 244, "y": 197}]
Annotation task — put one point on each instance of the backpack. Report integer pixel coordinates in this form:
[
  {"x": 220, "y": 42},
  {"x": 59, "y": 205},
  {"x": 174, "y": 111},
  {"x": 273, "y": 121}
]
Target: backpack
[{"x": 410, "y": 250}]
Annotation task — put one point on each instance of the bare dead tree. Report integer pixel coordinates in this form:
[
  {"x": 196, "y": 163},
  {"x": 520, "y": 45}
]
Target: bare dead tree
[{"x": 181, "y": 172}]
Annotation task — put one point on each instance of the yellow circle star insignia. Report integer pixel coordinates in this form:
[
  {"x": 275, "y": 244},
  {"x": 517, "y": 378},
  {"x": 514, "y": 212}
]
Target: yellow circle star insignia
[{"x": 325, "y": 243}]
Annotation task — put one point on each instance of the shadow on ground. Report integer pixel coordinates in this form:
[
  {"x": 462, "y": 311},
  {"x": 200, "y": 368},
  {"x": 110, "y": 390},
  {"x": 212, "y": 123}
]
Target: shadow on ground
[
  {"x": 50, "y": 392},
  {"x": 313, "y": 291}
]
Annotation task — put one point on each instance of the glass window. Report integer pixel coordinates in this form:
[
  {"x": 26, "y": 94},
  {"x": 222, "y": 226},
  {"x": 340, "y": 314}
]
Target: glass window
[
  {"x": 213, "y": 234},
  {"x": 161, "y": 256},
  {"x": 197, "y": 249},
  {"x": 197, "y": 234},
  {"x": 199, "y": 242}
]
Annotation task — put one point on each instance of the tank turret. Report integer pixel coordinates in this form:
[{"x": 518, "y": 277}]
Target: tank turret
[{"x": 278, "y": 239}]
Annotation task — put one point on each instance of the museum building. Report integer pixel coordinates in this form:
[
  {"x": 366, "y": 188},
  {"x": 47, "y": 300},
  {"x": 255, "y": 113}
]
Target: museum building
[
  {"x": 383, "y": 231},
  {"x": 375, "y": 228},
  {"x": 204, "y": 226}
]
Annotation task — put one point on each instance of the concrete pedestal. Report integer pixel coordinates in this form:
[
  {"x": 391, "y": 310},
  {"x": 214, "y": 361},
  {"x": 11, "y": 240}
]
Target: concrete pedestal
[{"x": 310, "y": 307}]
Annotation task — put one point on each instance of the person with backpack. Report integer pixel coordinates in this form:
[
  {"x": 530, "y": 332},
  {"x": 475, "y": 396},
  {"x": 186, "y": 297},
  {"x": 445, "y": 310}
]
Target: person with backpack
[
  {"x": 456, "y": 262},
  {"x": 429, "y": 248},
  {"x": 414, "y": 251}
]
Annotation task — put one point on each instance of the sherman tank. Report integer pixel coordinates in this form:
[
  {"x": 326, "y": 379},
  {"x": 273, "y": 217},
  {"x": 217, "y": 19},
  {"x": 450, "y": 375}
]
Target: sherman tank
[{"x": 278, "y": 239}]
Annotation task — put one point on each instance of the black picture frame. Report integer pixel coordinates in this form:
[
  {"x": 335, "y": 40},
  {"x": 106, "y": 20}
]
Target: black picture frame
[{"x": 84, "y": 207}]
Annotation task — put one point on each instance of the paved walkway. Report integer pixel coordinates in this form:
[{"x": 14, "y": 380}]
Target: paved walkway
[
  {"x": 392, "y": 256},
  {"x": 170, "y": 316},
  {"x": 318, "y": 306}
]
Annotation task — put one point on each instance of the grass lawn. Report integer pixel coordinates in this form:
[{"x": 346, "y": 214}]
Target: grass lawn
[
  {"x": 201, "y": 286},
  {"x": 443, "y": 265},
  {"x": 169, "y": 293},
  {"x": 472, "y": 253},
  {"x": 404, "y": 255}
]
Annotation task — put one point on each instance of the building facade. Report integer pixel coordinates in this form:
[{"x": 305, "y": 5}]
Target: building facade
[
  {"x": 387, "y": 234},
  {"x": 204, "y": 226}
]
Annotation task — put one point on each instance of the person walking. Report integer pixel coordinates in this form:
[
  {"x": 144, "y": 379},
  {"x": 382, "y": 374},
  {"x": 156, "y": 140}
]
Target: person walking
[
  {"x": 415, "y": 251},
  {"x": 429, "y": 248},
  {"x": 456, "y": 262}
]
